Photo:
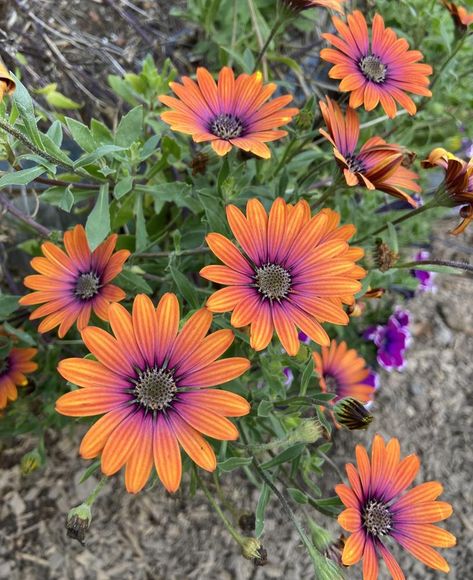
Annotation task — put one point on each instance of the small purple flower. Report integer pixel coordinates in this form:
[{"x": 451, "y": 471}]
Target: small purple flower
[
  {"x": 288, "y": 377},
  {"x": 303, "y": 337},
  {"x": 426, "y": 279},
  {"x": 392, "y": 340},
  {"x": 373, "y": 381}
]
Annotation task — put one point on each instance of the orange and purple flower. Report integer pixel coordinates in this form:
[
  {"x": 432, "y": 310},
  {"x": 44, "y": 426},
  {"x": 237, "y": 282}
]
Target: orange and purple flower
[
  {"x": 343, "y": 371},
  {"x": 378, "y": 507},
  {"x": 151, "y": 383},
  {"x": 72, "y": 284},
  {"x": 391, "y": 340},
  {"x": 233, "y": 112},
  {"x": 13, "y": 370},
  {"x": 293, "y": 271},
  {"x": 457, "y": 188},
  {"x": 377, "y": 70},
  {"x": 300, "y": 5},
  {"x": 461, "y": 17},
  {"x": 377, "y": 165}
]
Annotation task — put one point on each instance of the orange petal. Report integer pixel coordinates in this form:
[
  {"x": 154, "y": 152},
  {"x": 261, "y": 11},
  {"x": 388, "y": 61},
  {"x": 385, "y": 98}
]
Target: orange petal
[
  {"x": 96, "y": 437},
  {"x": 167, "y": 456},
  {"x": 167, "y": 316},
  {"x": 145, "y": 327},
  {"x": 370, "y": 562},
  {"x": 222, "y": 402},
  {"x": 424, "y": 553},
  {"x": 206, "y": 421},
  {"x": 190, "y": 336},
  {"x": 228, "y": 253},
  {"x": 90, "y": 373},
  {"x": 107, "y": 350},
  {"x": 122, "y": 327},
  {"x": 209, "y": 350},
  {"x": 426, "y": 512},
  {"x": 429, "y": 534},
  {"x": 121, "y": 443},
  {"x": 428, "y": 491},
  {"x": 217, "y": 373},
  {"x": 262, "y": 327},
  {"x": 350, "y": 520},
  {"x": 226, "y": 299},
  {"x": 354, "y": 547},
  {"x": 138, "y": 467},
  {"x": 196, "y": 447},
  {"x": 91, "y": 401}
]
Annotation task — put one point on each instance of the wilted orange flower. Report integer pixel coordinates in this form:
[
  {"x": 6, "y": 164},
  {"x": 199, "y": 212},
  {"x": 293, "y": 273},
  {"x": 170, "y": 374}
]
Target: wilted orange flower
[
  {"x": 343, "y": 372},
  {"x": 7, "y": 84},
  {"x": 377, "y": 70},
  {"x": 13, "y": 369},
  {"x": 378, "y": 508},
  {"x": 293, "y": 270},
  {"x": 72, "y": 284},
  {"x": 230, "y": 113},
  {"x": 458, "y": 184},
  {"x": 460, "y": 16},
  {"x": 377, "y": 165},
  {"x": 299, "y": 5},
  {"x": 152, "y": 382}
]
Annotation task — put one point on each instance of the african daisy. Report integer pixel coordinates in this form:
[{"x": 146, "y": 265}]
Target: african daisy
[{"x": 13, "y": 368}]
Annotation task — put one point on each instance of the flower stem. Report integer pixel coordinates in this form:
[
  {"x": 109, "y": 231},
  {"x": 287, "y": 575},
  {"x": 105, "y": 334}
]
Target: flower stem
[
  {"x": 450, "y": 263},
  {"x": 272, "y": 34},
  {"x": 98, "y": 488},
  {"x": 415, "y": 212},
  {"x": 28, "y": 220},
  {"x": 450, "y": 57}
]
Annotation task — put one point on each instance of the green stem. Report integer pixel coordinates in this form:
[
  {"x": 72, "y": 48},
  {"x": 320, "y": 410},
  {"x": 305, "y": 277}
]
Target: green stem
[
  {"x": 446, "y": 62},
  {"x": 272, "y": 34},
  {"x": 98, "y": 488},
  {"x": 450, "y": 263},
  {"x": 165, "y": 254},
  {"x": 403, "y": 218}
]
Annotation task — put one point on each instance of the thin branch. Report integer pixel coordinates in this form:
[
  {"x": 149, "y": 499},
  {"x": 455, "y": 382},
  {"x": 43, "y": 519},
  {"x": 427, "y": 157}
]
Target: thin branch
[
  {"x": 11, "y": 208},
  {"x": 450, "y": 263},
  {"x": 165, "y": 254}
]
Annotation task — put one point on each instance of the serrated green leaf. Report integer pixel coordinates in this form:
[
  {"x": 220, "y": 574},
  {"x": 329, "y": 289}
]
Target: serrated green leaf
[
  {"x": 55, "y": 133},
  {"x": 67, "y": 200},
  {"x": 102, "y": 151},
  {"x": 24, "y": 104},
  {"x": 264, "y": 409},
  {"x": 98, "y": 223}
]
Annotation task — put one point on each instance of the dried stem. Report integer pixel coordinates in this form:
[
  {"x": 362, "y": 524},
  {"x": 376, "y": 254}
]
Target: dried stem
[{"x": 28, "y": 220}]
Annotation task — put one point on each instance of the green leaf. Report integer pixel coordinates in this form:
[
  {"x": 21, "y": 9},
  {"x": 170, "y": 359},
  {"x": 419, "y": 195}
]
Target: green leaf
[
  {"x": 123, "y": 186},
  {"x": 8, "y": 305},
  {"x": 261, "y": 509},
  {"x": 130, "y": 128},
  {"x": 233, "y": 463},
  {"x": 55, "y": 133},
  {"x": 50, "y": 147},
  {"x": 149, "y": 147},
  {"x": 185, "y": 287},
  {"x": 21, "y": 177},
  {"x": 132, "y": 282},
  {"x": 98, "y": 223},
  {"x": 90, "y": 471},
  {"x": 331, "y": 506},
  {"x": 306, "y": 376},
  {"x": 20, "y": 334},
  {"x": 141, "y": 233},
  {"x": 297, "y": 495},
  {"x": 24, "y": 104},
  {"x": 60, "y": 101},
  {"x": 67, "y": 200},
  {"x": 101, "y": 133},
  {"x": 81, "y": 135},
  {"x": 5, "y": 346},
  {"x": 97, "y": 154},
  {"x": 286, "y": 455},
  {"x": 178, "y": 193},
  {"x": 264, "y": 409}
]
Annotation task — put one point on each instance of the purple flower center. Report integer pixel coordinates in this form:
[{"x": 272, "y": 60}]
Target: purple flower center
[
  {"x": 87, "y": 286},
  {"x": 355, "y": 165},
  {"x": 155, "y": 388},
  {"x": 373, "y": 69},
  {"x": 377, "y": 518},
  {"x": 331, "y": 383},
  {"x": 227, "y": 126},
  {"x": 273, "y": 281},
  {"x": 4, "y": 366}
]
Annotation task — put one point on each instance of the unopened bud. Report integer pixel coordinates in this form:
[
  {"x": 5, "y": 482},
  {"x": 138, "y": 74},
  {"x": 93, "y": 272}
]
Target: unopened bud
[
  {"x": 321, "y": 537},
  {"x": 308, "y": 431},
  {"x": 375, "y": 293},
  {"x": 30, "y": 462},
  {"x": 352, "y": 414},
  {"x": 305, "y": 119},
  {"x": 78, "y": 522},
  {"x": 250, "y": 549}
]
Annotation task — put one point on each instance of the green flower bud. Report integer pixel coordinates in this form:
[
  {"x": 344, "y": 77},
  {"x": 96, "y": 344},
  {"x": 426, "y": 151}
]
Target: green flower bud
[
  {"x": 30, "y": 462},
  {"x": 308, "y": 431},
  {"x": 250, "y": 548},
  {"x": 352, "y": 414}
]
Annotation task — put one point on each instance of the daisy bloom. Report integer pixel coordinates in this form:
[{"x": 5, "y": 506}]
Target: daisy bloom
[
  {"x": 377, "y": 70},
  {"x": 379, "y": 507},
  {"x": 13, "y": 369},
  {"x": 343, "y": 371},
  {"x": 377, "y": 164},
  {"x": 461, "y": 17},
  {"x": 232, "y": 112},
  {"x": 457, "y": 188},
  {"x": 300, "y": 5},
  {"x": 72, "y": 284},
  {"x": 152, "y": 385},
  {"x": 7, "y": 84},
  {"x": 292, "y": 271}
]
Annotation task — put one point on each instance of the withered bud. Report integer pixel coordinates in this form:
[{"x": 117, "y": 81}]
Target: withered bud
[
  {"x": 250, "y": 549},
  {"x": 384, "y": 257},
  {"x": 263, "y": 557},
  {"x": 408, "y": 158},
  {"x": 247, "y": 522},
  {"x": 199, "y": 164},
  {"x": 352, "y": 414},
  {"x": 78, "y": 522}
]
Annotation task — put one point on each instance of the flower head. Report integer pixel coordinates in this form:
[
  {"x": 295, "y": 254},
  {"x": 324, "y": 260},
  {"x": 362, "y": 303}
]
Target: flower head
[
  {"x": 13, "y": 370},
  {"x": 151, "y": 383},
  {"x": 377, "y": 164},
  {"x": 343, "y": 372},
  {"x": 377, "y": 70},
  {"x": 352, "y": 414},
  {"x": 378, "y": 507},
  {"x": 391, "y": 340},
  {"x": 293, "y": 271},
  {"x": 300, "y": 5},
  {"x": 232, "y": 112},
  {"x": 72, "y": 284},
  {"x": 426, "y": 279},
  {"x": 461, "y": 17},
  {"x": 7, "y": 84},
  {"x": 457, "y": 188}
]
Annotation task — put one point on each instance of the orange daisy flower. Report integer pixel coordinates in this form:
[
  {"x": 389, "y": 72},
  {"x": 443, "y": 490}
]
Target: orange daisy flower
[
  {"x": 294, "y": 270},
  {"x": 460, "y": 16},
  {"x": 380, "y": 70},
  {"x": 377, "y": 165},
  {"x": 7, "y": 84},
  {"x": 343, "y": 372},
  {"x": 13, "y": 369},
  {"x": 378, "y": 508},
  {"x": 458, "y": 184},
  {"x": 232, "y": 112},
  {"x": 152, "y": 382},
  {"x": 72, "y": 284},
  {"x": 300, "y": 5}
]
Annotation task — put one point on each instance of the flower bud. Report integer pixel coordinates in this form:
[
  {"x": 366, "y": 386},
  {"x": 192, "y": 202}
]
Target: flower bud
[
  {"x": 308, "y": 431},
  {"x": 250, "y": 549},
  {"x": 78, "y": 522},
  {"x": 321, "y": 537},
  {"x": 30, "y": 462},
  {"x": 304, "y": 119},
  {"x": 352, "y": 414}
]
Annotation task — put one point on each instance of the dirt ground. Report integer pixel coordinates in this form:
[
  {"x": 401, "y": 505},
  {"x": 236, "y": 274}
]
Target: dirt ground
[{"x": 154, "y": 536}]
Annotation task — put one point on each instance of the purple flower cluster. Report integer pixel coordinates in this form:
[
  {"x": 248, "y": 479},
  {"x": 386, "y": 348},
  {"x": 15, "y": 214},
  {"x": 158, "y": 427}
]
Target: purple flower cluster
[
  {"x": 426, "y": 279},
  {"x": 391, "y": 340}
]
